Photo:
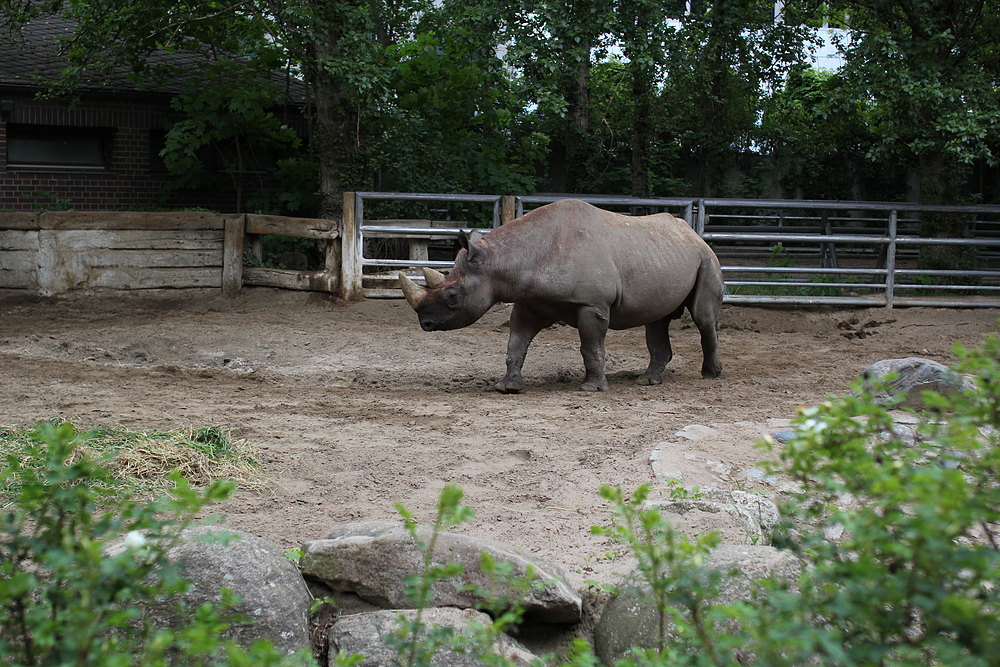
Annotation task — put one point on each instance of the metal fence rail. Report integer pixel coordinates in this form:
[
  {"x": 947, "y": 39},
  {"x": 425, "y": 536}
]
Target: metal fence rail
[{"x": 795, "y": 252}]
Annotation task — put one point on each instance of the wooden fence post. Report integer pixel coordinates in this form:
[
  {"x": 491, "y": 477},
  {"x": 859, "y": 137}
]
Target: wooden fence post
[
  {"x": 508, "y": 208},
  {"x": 350, "y": 251},
  {"x": 232, "y": 255}
]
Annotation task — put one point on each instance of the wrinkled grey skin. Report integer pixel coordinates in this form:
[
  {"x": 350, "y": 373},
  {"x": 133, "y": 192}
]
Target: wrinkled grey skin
[{"x": 592, "y": 269}]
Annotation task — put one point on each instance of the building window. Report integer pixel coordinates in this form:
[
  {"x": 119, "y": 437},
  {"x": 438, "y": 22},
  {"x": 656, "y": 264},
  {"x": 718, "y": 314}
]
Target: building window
[{"x": 58, "y": 146}]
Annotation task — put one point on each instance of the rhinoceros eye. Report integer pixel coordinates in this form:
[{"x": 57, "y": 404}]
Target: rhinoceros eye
[{"x": 452, "y": 296}]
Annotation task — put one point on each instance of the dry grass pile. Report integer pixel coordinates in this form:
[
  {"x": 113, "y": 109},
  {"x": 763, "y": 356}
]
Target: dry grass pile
[{"x": 145, "y": 459}]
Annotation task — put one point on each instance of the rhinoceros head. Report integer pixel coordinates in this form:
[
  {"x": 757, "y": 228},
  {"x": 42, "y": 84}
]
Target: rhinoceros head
[{"x": 456, "y": 300}]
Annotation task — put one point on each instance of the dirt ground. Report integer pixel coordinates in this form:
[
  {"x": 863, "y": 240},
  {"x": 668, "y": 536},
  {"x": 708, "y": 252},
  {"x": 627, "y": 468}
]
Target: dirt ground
[{"x": 355, "y": 408}]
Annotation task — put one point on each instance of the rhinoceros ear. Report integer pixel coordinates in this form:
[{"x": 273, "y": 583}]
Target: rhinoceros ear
[{"x": 475, "y": 253}]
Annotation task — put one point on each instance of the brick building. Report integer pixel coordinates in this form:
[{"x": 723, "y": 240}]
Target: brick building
[{"x": 99, "y": 150}]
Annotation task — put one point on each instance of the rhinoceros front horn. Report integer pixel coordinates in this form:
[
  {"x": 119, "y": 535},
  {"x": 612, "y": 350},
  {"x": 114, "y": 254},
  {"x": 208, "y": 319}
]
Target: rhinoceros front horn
[
  {"x": 433, "y": 278},
  {"x": 412, "y": 291}
]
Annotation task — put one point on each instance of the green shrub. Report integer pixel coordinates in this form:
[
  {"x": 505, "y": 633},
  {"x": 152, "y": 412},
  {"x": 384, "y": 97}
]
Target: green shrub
[
  {"x": 898, "y": 534},
  {"x": 63, "y": 599}
]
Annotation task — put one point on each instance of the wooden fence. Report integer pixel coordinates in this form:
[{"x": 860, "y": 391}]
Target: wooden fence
[{"x": 53, "y": 253}]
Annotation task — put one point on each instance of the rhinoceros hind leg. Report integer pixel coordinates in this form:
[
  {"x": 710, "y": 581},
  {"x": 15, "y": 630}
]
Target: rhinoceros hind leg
[
  {"x": 711, "y": 367},
  {"x": 524, "y": 326},
  {"x": 705, "y": 312},
  {"x": 593, "y": 325},
  {"x": 660, "y": 352}
]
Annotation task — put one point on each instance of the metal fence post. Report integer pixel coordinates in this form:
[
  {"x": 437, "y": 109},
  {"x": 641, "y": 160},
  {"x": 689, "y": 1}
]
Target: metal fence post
[{"x": 890, "y": 260}]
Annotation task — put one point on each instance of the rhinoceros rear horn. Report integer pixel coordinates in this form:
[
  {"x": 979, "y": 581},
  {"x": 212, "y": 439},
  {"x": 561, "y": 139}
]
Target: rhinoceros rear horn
[
  {"x": 412, "y": 291},
  {"x": 433, "y": 278}
]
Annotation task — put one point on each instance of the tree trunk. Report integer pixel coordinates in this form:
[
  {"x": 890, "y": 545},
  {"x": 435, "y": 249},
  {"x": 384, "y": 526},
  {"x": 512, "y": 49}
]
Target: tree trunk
[
  {"x": 328, "y": 129},
  {"x": 642, "y": 92},
  {"x": 578, "y": 124},
  {"x": 937, "y": 187},
  {"x": 336, "y": 122}
]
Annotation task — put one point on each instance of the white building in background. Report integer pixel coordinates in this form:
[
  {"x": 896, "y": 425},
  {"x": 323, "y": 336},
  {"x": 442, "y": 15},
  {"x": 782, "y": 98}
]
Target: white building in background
[{"x": 827, "y": 56}]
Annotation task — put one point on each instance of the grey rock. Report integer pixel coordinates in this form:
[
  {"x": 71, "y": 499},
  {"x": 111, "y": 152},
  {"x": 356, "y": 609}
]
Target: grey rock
[
  {"x": 273, "y": 595},
  {"x": 755, "y": 514},
  {"x": 783, "y": 436},
  {"x": 373, "y": 558},
  {"x": 629, "y": 619},
  {"x": 365, "y": 634},
  {"x": 915, "y": 375}
]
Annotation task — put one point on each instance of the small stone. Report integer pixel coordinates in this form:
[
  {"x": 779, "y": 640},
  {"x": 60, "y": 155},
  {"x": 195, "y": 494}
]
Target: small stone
[{"x": 783, "y": 436}]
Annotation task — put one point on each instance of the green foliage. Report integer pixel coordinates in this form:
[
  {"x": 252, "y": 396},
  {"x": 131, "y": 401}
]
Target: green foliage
[
  {"x": 898, "y": 538},
  {"x": 927, "y": 74},
  {"x": 415, "y": 642},
  {"x": 226, "y": 128},
  {"x": 820, "y": 135},
  {"x": 64, "y": 599},
  {"x": 679, "y": 584},
  {"x": 630, "y": 96},
  {"x": 296, "y": 192},
  {"x": 457, "y": 124},
  {"x": 911, "y": 581}
]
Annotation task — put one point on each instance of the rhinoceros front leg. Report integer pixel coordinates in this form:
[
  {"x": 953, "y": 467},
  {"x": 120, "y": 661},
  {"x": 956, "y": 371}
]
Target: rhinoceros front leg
[
  {"x": 524, "y": 326},
  {"x": 660, "y": 352},
  {"x": 593, "y": 325}
]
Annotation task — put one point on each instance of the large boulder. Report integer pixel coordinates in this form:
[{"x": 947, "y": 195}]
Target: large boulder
[
  {"x": 914, "y": 375},
  {"x": 373, "y": 558},
  {"x": 739, "y": 517},
  {"x": 272, "y": 594},
  {"x": 366, "y": 634},
  {"x": 630, "y": 619}
]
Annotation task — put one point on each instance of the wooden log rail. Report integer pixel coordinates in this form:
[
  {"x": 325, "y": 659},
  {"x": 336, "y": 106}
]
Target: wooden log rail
[{"x": 244, "y": 236}]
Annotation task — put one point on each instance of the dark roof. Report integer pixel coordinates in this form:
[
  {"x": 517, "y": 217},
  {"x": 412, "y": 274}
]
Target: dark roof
[{"x": 35, "y": 53}]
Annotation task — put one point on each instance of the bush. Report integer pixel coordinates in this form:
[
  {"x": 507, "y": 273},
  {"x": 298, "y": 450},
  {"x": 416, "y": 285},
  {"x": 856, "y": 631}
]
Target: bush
[
  {"x": 63, "y": 599},
  {"x": 897, "y": 531}
]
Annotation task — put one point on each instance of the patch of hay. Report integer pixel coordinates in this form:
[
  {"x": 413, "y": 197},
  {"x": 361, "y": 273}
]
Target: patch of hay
[{"x": 145, "y": 459}]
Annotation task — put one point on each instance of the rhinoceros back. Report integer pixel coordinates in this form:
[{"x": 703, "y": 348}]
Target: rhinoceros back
[{"x": 642, "y": 268}]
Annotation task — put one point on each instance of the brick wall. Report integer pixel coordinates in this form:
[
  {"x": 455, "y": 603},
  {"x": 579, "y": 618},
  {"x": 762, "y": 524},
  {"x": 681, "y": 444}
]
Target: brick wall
[{"x": 127, "y": 181}]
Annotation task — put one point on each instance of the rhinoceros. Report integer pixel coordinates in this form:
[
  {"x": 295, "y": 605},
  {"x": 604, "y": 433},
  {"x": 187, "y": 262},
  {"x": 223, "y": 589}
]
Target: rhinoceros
[{"x": 572, "y": 262}]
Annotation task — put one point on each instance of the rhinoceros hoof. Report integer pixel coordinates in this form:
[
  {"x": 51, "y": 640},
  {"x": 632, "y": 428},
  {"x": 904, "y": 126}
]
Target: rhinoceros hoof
[
  {"x": 509, "y": 387},
  {"x": 712, "y": 372},
  {"x": 595, "y": 385},
  {"x": 649, "y": 380}
]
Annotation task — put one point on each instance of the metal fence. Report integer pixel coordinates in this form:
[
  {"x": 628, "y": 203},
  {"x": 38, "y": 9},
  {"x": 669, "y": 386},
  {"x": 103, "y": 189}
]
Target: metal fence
[{"x": 772, "y": 251}]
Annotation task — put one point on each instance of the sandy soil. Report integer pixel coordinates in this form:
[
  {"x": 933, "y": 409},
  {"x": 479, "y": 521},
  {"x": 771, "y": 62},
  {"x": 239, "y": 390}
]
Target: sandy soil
[{"x": 355, "y": 408}]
